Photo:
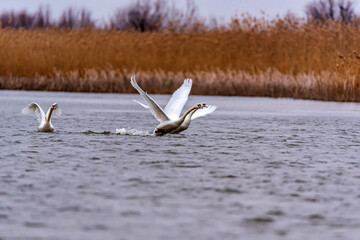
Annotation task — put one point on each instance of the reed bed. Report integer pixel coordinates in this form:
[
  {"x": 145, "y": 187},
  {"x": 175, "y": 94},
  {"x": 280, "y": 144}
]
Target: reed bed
[
  {"x": 326, "y": 86},
  {"x": 250, "y": 57}
]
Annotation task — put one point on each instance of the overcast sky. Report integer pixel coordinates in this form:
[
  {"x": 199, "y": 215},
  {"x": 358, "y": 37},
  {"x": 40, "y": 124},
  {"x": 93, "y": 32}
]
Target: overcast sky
[{"x": 102, "y": 9}]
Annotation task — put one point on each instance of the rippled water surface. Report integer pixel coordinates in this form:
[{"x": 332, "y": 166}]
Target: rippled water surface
[{"x": 256, "y": 168}]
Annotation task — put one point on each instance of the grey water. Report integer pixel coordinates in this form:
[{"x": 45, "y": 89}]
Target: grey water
[{"x": 256, "y": 168}]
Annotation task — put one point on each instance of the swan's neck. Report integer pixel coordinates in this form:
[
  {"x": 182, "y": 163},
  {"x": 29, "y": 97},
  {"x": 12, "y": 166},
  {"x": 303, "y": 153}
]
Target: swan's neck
[
  {"x": 47, "y": 118},
  {"x": 192, "y": 113},
  {"x": 187, "y": 120},
  {"x": 191, "y": 110}
]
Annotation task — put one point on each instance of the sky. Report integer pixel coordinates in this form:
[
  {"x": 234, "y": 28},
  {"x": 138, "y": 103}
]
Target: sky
[{"x": 222, "y": 9}]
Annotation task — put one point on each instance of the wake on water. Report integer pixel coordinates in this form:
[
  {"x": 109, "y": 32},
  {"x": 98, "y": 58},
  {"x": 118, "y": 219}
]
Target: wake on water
[
  {"x": 133, "y": 132},
  {"x": 121, "y": 131}
]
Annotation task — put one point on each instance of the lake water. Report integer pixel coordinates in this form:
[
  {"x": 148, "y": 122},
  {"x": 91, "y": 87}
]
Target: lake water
[{"x": 257, "y": 168}]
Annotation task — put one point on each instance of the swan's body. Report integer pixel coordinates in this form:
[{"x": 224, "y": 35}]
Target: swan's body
[
  {"x": 166, "y": 123},
  {"x": 44, "y": 120},
  {"x": 176, "y": 103}
]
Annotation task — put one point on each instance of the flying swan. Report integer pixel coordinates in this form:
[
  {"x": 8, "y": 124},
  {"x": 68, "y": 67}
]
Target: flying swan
[
  {"x": 44, "y": 120},
  {"x": 167, "y": 124},
  {"x": 176, "y": 104}
]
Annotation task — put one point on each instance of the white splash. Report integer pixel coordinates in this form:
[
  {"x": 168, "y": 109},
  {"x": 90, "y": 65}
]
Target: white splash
[{"x": 133, "y": 132}]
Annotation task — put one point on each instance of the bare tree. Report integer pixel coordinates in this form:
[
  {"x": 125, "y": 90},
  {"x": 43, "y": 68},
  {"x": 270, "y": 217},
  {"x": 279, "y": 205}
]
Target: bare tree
[
  {"x": 85, "y": 19},
  {"x": 144, "y": 15},
  {"x": 323, "y": 10},
  {"x": 156, "y": 15},
  {"x": 42, "y": 18},
  {"x": 71, "y": 18},
  {"x": 346, "y": 10},
  {"x": 182, "y": 21},
  {"x": 5, "y": 19},
  {"x": 22, "y": 20}
]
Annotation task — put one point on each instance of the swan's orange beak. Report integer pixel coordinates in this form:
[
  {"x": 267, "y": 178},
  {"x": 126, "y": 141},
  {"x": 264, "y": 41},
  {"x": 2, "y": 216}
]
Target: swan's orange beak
[
  {"x": 204, "y": 105},
  {"x": 54, "y": 107}
]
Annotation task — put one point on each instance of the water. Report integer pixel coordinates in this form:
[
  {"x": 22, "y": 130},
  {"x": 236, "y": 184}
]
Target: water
[{"x": 256, "y": 168}]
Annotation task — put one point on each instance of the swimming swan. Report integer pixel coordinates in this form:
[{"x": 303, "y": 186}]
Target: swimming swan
[
  {"x": 44, "y": 120},
  {"x": 176, "y": 103},
  {"x": 166, "y": 123}
]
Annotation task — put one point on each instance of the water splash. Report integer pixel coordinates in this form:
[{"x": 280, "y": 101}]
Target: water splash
[{"x": 133, "y": 132}]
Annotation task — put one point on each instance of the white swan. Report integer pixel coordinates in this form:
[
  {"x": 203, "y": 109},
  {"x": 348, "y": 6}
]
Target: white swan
[
  {"x": 166, "y": 124},
  {"x": 176, "y": 103},
  {"x": 44, "y": 120}
]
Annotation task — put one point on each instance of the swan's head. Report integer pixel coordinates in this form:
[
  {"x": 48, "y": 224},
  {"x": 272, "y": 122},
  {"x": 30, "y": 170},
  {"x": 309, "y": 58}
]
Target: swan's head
[
  {"x": 204, "y": 105},
  {"x": 198, "y": 105},
  {"x": 54, "y": 106}
]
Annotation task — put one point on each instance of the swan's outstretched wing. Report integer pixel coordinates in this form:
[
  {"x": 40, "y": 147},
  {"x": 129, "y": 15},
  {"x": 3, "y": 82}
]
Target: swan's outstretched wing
[
  {"x": 143, "y": 105},
  {"x": 178, "y": 100},
  {"x": 34, "y": 108},
  {"x": 155, "y": 109},
  {"x": 203, "y": 112},
  {"x": 58, "y": 111}
]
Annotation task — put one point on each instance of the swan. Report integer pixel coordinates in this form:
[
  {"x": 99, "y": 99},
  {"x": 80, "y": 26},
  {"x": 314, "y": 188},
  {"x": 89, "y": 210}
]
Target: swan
[
  {"x": 171, "y": 125},
  {"x": 166, "y": 123},
  {"x": 44, "y": 120},
  {"x": 176, "y": 104}
]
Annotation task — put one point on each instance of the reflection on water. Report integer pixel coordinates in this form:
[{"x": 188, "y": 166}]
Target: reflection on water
[{"x": 256, "y": 168}]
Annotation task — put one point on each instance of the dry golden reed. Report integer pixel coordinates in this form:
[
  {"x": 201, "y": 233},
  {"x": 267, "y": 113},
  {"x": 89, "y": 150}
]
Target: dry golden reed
[
  {"x": 250, "y": 57},
  {"x": 328, "y": 86}
]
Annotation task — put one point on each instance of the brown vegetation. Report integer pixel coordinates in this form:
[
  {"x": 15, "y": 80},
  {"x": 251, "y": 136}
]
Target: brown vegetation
[
  {"x": 328, "y": 86},
  {"x": 251, "y": 57}
]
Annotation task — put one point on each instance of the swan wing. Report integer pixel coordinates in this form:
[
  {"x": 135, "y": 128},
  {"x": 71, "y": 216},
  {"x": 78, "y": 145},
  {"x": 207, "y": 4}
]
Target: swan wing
[
  {"x": 155, "y": 109},
  {"x": 34, "y": 108},
  {"x": 143, "y": 105},
  {"x": 58, "y": 111},
  {"x": 178, "y": 99},
  {"x": 203, "y": 112}
]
